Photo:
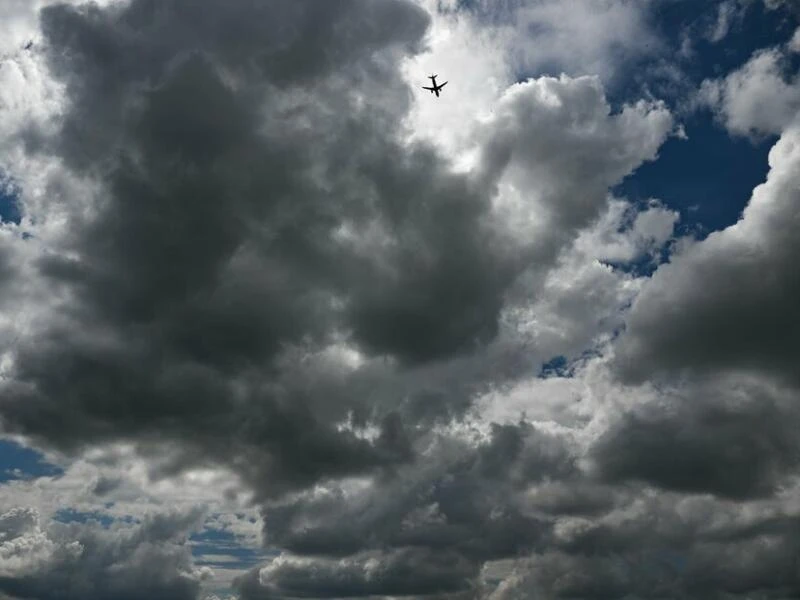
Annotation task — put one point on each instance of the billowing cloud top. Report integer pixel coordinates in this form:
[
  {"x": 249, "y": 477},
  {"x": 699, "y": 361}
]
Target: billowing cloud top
[{"x": 264, "y": 288}]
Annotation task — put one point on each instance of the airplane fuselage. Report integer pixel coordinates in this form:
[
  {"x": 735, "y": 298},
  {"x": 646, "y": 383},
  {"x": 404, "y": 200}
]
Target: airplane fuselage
[{"x": 435, "y": 88}]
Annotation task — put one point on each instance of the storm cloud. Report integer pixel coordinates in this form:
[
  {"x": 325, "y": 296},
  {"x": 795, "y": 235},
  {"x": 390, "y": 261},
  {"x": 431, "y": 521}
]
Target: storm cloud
[{"x": 242, "y": 265}]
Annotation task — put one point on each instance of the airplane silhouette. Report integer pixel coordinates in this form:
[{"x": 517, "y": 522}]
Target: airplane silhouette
[
  {"x": 12, "y": 55},
  {"x": 435, "y": 89}
]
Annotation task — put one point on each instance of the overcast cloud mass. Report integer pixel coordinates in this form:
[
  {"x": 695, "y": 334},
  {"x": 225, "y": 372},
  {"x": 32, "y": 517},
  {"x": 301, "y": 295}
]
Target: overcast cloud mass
[{"x": 277, "y": 323}]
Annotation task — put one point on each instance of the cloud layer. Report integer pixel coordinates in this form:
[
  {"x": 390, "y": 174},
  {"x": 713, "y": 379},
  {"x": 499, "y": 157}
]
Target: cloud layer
[{"x": 250, "y": 279}]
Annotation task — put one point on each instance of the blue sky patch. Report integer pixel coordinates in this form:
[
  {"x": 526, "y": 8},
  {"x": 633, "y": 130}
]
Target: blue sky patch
[
  {"x": 709, "y": 177},
  {"x": 557, "y": 366},
  {"x": 215, "y": 544},
  {"x": 9, "y": 207},
  {"x": 9, "y": 199},
  {"x": 19, "y": 462},
  {"x": 69, "y": 515}
]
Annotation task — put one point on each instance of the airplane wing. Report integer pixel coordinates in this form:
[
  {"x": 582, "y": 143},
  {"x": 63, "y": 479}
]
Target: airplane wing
[
  {"x": 441, "y": 85},
  {"x": 428, "y": 88}
]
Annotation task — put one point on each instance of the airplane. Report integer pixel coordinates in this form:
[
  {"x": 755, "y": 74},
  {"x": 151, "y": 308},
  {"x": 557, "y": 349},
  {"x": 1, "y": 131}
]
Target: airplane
[
  {"x": 13, "y": 55},
  {"x": 435, "y": 89}
]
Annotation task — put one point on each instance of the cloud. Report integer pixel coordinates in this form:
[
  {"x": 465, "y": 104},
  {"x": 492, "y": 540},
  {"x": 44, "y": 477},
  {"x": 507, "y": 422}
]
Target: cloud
[
  {"x": 83, "y": 560},
  {"x": 258, "y": 273},
  {"x": 261, "y": 284},
  {"x": 23, "y": 545},
  {"x": 231, "y": 524},
  {"x": 197, "y": 243},
  {"x": 19, "y": 23},
  {"x": 712, "y": 330},
  {"x": 598, "y": 38},
  {"x": 728, "y": 13},
  {"x": 255, "y": 280},
  {"x": 794, "y": 43},
  {"x": 219, "y": 239},
  {"x": 665, "y": 545},
  {"x": 440, "y": 521},
  {"x": 756, "y": 99},
  {"x": 448, "y": 502},
  {"x": 729, "y": 301},
  {"x": 781, "y": 4},
  {"x": 547, "y": 134},
  {"x": 730, "y": 438},
  {"x": 400, "y": 574}
]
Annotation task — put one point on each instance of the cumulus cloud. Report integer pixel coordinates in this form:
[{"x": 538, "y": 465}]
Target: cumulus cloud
[
  {"x": 401, "y": 574},
  {"x": 87, "y": 561},
  {"x": 440, "y": 522},
  {"x": 269, "y": 292},
  {"x": 732, "y": 438},
  {"x": 24, "y": 546},
  {"x": 257, "y": 270},
  {"x": 758, "y": 98},
  {"x": 729, "y": 301},
  {"x": 586, "y": 38},
  {"x": 713, "y": 329},
  {"x": 222, "y": 238},
  {"x": 113, "y": 487}
]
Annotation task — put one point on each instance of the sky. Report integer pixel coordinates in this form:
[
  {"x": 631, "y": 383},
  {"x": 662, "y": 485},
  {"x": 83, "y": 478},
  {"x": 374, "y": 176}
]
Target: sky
[{"x": 278, "y": 323}]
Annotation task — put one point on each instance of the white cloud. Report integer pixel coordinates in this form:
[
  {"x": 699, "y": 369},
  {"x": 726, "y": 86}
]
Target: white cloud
[
  {"x": 19, "y": 21},
  {"x": 85, "y": 560},
  {"x": 24, "y": 547},
  {"x": 727, "y": 11},
  {"x": 794, "y": 43},
  {"x": 484, "y": 50},
  {"x": 757, "y": 98},
  {"x": 626, "y": 233},
  {"x": 550, "y": 138},
  {"x": 579, "y": 306},
  {"x": 579, "y": 38},
  {"x": 471, "y": 58}
]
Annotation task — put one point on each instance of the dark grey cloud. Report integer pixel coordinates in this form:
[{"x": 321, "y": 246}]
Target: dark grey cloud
[
  {"x": 196, "y": 174},
  {"x": 648, "y": 546},
  {"x": 243, "y": 210},
  {"x": 459, "y": 507},
  {"x": 239, "y": 169},
  {"x": 733, "y": 438},
  {"x": 729, "y": 302},
  {"x": 665, "y": 545},
  {"x": 86, "y": 560},
  {"x": 214, "y": 242},
  {"x": 104, "y": 485},
  {"x": 254, "y": 205},
  {"x": 400, "y": 573},
  {"x": 575, "y": 498},
  {"x": 722, "y": 317},
  {"x": 461, "y": 497}
]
